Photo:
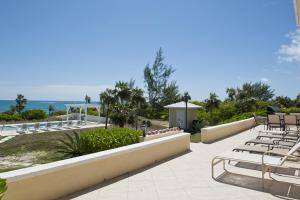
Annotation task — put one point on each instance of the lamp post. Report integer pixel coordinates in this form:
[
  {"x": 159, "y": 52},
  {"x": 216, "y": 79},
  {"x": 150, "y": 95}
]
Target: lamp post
[{"x": 186, "y": 97}]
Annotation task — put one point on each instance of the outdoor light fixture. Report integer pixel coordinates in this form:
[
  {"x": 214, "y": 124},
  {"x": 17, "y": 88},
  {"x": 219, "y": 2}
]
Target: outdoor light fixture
[{"x": 297, "y": 11}]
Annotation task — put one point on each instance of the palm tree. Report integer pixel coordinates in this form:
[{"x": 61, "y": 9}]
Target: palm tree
[
  {"x": 137, "y": 98},
  {"x": 212, "y": 102},
  {"x": 20, "y": 103},
  {"x": 122, "y": 91},
  {"x": 186, "y": 97},
  {"x": 87, "y": 99},
  {"x": 108, "y": 98},
  {"x": 50, "y": 109},
  {"x": 231, "y": 92}
]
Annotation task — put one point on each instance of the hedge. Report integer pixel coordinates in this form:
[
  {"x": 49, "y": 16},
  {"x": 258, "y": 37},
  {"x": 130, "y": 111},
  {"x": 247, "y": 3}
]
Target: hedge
[
  {"x": 34, "y": 114},
  {"x": 103, "y": 139},
  {"x": 10, "y": 117}
]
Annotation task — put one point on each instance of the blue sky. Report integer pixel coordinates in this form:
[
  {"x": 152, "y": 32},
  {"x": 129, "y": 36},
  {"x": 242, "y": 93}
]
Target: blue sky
[{"x": 61, "y": 50}]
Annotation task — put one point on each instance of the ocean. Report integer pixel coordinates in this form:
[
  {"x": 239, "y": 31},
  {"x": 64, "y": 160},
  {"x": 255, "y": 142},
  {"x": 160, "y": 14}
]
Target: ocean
[{"x": 43, "y": 105}]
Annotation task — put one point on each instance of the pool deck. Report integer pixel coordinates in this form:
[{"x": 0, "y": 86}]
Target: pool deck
[
  {"x": 75, "y": 127},
  {"x": 188, "y": 177}
]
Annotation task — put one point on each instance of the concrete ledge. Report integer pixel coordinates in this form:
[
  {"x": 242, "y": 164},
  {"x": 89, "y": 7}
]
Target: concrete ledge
[
  {"x": 160, "y": 135},
  {"x": 214, "y": 133},
  {"x": 57, "y": 179}
]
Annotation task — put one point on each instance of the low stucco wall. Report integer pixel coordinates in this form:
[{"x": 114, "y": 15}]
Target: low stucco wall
[
  {"x": 57, "y": 179},
  {"x": 213, "y": 133},
  {"x": 160, "y": 135}
]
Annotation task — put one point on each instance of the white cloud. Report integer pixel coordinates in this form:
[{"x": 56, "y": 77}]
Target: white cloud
[
  {"x": 53, "y": 92},
  {"x": 291, "y": 52},
  {"x": 264, "y": 79}
]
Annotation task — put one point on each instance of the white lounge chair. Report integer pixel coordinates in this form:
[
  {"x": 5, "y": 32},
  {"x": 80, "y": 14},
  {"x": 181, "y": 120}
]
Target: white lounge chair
[
  {"x": 59, "y": 126},
  {"x": 36, "y": 127},
  {"x": 47, "y": 127},
  {"x": 266, "y": 160},
  {"x": 23, "y": 129}
]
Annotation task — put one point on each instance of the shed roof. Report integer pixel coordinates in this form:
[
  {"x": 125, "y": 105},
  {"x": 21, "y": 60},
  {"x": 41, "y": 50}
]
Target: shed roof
[{"x": 182, "y": 105}]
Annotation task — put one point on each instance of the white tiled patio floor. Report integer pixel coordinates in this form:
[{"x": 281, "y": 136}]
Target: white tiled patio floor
[{"x": 188, "y": 177}]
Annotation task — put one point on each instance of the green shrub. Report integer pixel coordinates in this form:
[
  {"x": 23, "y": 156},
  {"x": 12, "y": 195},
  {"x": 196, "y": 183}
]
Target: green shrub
[
  {"x": 34, "y": 114},
  {"x": 227, "y": 110},
  {"x": 290, "y": 110},
  {"x": 92, "y": 111},
  {"x": 243, "y": 116},
  {"x": 10, "y": 117},
  {"x": 3, "y": 188},
  {"x": 104, "y": 139}
]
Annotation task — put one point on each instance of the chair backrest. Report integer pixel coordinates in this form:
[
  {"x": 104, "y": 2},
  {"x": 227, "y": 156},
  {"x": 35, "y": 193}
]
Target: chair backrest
[
  {"x": 48, "y": 125},
  {"x": 37, "y": 125},
  {"x": 281, "y": 115},
  {"x": 24, "y": 126},
  {"x": 296, "y": 114},
  {"x": 290, "y": 120},
  {"x": 273, "y": 119}
]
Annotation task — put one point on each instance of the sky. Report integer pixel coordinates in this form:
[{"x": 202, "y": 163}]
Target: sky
[{"x": 64, "y": 49}]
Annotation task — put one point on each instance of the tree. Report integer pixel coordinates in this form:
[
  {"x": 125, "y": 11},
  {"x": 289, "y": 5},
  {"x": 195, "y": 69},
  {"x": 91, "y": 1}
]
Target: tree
[
  {"x": 284, "y": 101},
  {"x": 156, "y": 79},
  {"x": 186, "y": 97},
  {"x": 87, "y": 99},
  {"x": 212, "y": 102},
  {"x": 122, "y": 91},
  {"x": 170, "y": 94},
  {"x": 259, "y": 91},
  {"x": 231, "y": 92},
  {"x": 20, "y": 103},
  {"x": 50, "y": 109},
  {"x": 107, "y": 97},
  {"x": 297, "y": 101},
  {"x": 137, "y": 98}
]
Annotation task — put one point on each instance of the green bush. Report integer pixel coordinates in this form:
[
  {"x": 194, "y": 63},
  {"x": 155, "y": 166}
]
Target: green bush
[
  {"x": 104, "y": 139},
  {"x": 3, "y": 188},
  {"x": 92, "y": 111},
  {"x": 10, "y": 117},
  {"x": 34, "y": 114},
  {"x": 243, "y": 116},
  {"x": 290, "y": 110}
]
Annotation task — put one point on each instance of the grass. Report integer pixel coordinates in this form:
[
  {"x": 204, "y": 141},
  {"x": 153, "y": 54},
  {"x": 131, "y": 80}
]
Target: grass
[
  {"x": 7, "y": 169},
  {"x": 22, "y": 144},
  {"x": 196, "y": 138},
  {"x": 36, "y": 148}
]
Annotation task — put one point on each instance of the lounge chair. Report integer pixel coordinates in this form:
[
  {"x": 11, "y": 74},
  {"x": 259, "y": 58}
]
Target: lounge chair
[
  {"x": 262, "y": 149},
  {"x": 78, "y": 124},
  {"x": 69, "y": 125},
  {"x": 59, "y": 126},
  {"x": 36, "y": 127},
  {"x": 23, "y": 129},
  {"x": 271, "y": 142},
  {"x": 267, "y": 160},
  {"x": 277, "y": 136},
  {"x": 48, "y": 125}
]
